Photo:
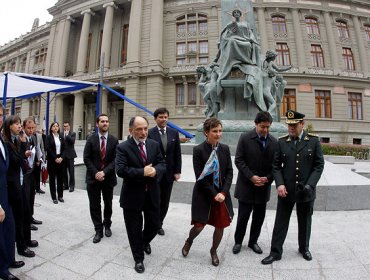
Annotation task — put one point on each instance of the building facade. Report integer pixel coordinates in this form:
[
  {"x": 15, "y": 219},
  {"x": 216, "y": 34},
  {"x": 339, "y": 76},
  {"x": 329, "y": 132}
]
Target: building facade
[{"x": 148, "y": 50}]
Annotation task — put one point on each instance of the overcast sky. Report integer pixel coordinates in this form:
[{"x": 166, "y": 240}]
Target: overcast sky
[{"x": 17, "y": 16}]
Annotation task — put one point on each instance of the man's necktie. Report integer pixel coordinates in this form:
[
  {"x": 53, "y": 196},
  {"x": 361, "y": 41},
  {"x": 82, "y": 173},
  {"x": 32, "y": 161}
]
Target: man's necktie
[
  {"x": 102, "y": 152},
  {"x": 142, "y": 152},
  {"x": 263, "y": 140},
  {"x": 163, "y": 139}
]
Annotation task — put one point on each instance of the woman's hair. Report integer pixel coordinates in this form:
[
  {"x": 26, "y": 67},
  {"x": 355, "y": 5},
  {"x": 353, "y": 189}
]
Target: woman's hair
[
  {"x": 211, "y": 123},
  {"x": 50, "y": 132},
  {"x": 7, "y": 134}
]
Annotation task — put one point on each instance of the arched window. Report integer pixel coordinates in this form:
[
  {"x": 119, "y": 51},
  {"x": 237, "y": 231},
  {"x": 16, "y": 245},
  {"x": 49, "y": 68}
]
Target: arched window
[
  {"x": 192, "y": 39},
  {"x": 312, "y": 26},
  {"x": 342, "y": 29},
  {"x": 278, "y": 24}
]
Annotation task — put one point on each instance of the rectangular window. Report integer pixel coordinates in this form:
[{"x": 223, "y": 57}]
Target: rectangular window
[
  {"x": 203, "y": 47},
  {"x": 367, "y": 31},
  {"x": 192, "y": 27},
  {"x": 349, "y": 63},
  {"x": 312, "y": 26},
  {"x": 192, "y": 47},
  {"x": 325, "y": 139},
  {"x": 124, "y": 44},
  {"x": 355, "y": 106},
  {"x": 181, "y": 49},
  {"x": 278, "y": 24},
  {"x": 356, "y": 141},
  {"x": 192, "y": 60},
  {"x": 317, "y": 56},
  {"x": 192, "y": 94},
  {"x": 342, "y": 30},
  {"x": 23, "y": 65},
  {"x": 181, "y": 27},
  {"x": 283, "y": 54},
  {"x": 203, "y": 26},
  {"x": 288, "y": 102},
  {"x": 203, "y": 60},
  {"x": 180, "y": 61},
  {"x": 180, "y": 95},
  {"x": 322, "y": 104}
]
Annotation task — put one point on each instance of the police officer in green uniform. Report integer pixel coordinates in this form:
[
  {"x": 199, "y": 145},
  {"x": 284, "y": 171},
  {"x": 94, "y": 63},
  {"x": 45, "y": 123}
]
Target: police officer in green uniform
[{"x": 297, "y": 167}]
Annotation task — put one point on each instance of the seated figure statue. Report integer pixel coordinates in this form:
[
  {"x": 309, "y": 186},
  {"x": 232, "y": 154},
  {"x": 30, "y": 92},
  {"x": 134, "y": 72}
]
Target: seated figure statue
[
  {"x": 238, "y": 49},
  {"x": 273, "y": 84},
  {"x": 208, "y": 89}
]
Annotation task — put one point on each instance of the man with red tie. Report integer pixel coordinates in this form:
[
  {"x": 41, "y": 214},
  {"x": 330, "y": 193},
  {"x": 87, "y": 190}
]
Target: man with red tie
[
  {"x": 140, "y": 163},
  {"x": 99, "y": 156}
]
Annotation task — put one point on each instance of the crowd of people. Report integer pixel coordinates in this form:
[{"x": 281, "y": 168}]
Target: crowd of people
[{"x": 149, "y": 161}]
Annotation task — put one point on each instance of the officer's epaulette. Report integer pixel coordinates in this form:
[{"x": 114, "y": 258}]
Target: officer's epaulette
[
  {"x": 284, "y": 136},
  {"x": 312, "y": 134}
]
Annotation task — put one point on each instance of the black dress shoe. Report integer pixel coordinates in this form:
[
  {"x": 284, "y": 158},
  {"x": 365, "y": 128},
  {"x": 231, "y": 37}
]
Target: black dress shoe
[
  {"x": 161, "y": 231},
  {"x": 139, "y": 267},
  {"x": 270, "y": 259},
  {"x": 40, "y": 191},
  {"x": 306, "y": 255},
  {"x": 255, "y": 248},
  {"x": 147, "y": 249},
  {"x": 36, "y": 222},
  {"x": 61, "y": 199},
  {"x": 237, "y": 248},
  {"x": 11, "y": 277},
  {"x": 32, "y": 243},
  {"x": 17, "y": 264},
  {"x": 71, "y": 189},
  {"x": 98, "y": 236},
  {"x": 55, "y": 201},
  {"x": 33, "y": 227},
  {"x": 108, "y": 232},
  {"x": 27, "y": 253}
]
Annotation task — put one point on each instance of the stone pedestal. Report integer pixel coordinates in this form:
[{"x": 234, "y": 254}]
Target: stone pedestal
[{"x": 232, "y": 129}]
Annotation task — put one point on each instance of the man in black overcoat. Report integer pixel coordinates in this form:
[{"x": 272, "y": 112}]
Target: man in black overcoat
[
  {"x": 297, "y": 167},
  {"x": 169, "y": 141},
  {"x": 253, "y": 158},
  {"x": 99, "y": 157},
  {"x": 140, "y": 163}
]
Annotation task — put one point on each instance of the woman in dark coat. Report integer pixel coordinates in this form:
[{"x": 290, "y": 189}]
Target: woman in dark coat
[
  {"x": 55, "y": 155},
  {"x": 211, "y": 201}
]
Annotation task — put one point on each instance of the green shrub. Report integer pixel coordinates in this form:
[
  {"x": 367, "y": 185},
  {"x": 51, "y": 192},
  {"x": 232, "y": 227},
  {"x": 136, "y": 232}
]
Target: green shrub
[{"x": 344, "y": 149}]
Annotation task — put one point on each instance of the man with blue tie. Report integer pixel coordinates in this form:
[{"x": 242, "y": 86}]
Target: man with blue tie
[
  {"x": 169, "y": 141},
  {"x": 253, "y": 158}
]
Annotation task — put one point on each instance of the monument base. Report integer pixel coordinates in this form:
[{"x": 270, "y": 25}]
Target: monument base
[{"x": 232, "y": 129}]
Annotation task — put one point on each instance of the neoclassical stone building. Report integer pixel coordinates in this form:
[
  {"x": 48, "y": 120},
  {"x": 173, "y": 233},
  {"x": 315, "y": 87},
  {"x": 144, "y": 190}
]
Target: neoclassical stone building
[{"x": 149, "y": 49}]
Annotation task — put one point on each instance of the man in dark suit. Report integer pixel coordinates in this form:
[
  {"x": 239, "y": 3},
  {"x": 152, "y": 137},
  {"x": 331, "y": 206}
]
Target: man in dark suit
[
  {"x": 253, "y": 158},
  {"x": 99, "y": 155},
  {"x": 140, "y": 163},
  {"x": 70, "y": 155},
  {"x": 297, "y": 167},
  {"x": 169, "y": 141},
  {"x": 7, "y": 227}
]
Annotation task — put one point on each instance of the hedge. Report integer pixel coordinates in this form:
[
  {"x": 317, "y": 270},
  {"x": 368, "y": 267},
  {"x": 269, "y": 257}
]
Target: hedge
[{"x": 358, "y": 151}]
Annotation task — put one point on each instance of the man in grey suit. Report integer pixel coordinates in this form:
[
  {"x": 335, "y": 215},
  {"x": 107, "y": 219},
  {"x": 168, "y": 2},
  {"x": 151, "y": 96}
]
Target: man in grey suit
[{"x": 70, "y": 155}]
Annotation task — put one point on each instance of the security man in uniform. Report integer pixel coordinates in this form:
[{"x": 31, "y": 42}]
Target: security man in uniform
[{"x": 297, "y": 167}]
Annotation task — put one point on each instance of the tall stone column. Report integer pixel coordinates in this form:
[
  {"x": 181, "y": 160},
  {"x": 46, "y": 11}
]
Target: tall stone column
[
  {"x": 186, "y": 96},
  {"x": 107, "y": 33},
  {"x": 58, "y": 109},
  {"x": 28, "y": 62},
  {"x": 104, "y": 102},
  {"x": 64, "y": 47},
  {"x": 332, "y": 46},
  {"x": 78, "y": 111},
  {"x": 82, "y": 47},
  {"x": 361, "y": 47},
  {"x": 134, "y": 34},
  {"x": 156, "y": 31},
  {"x": 262, "y": 29},
  {"x": 17, "y": 60},
  {"x": 299, "y": 40}
]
